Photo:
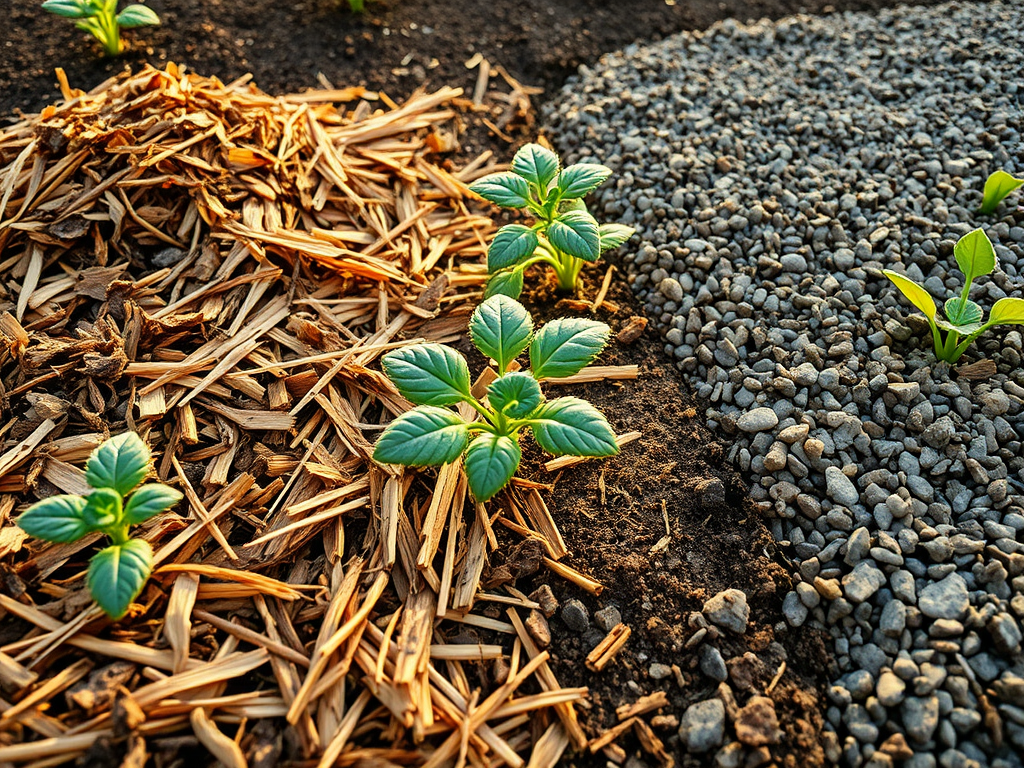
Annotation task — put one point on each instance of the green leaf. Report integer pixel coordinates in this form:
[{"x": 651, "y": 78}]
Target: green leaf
[
  {"x": 428, "y": 374},
  {"x": 1007, "y": 312},
  {"x": 508, "y": 282},
  {"x": 512, "y": 244},
  {"x": 975, "y": 255},
  {"x": 102, "y": 508},
  {"x": 120, "y": 463},
  {"x": 570, "y": 426},
  {"x": 535, "y": 164},
  {"x": 424, "y": 436},
  {"x": 137, "y": 16},
  {"x": 491, "y": 460},
  {"x": 564, "y": 206},
  {"x": 997, "y": 186},
  {"x": 961, "y": 312},
  {"x": 57, "y": 518},
  {"x": 564, "y": 346},
  {"x": 505, "y": 189},
  {"x": 149, "y": 500},
  {"x": 917, "y": 295},
  {"x": 578, "y": 180},
  {"x": 516, "y": 395},
  {"x": 69, "y": 9},
  {"x": 576, "y": 233},
  {"x": 613, "y": 235},
  {"x": 501, "y": 329},
  {"x": 118, "y": 573}
]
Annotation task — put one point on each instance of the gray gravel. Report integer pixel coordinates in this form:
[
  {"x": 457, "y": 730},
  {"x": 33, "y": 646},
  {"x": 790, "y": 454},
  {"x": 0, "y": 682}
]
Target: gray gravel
[{"x": 773, "y": 171}]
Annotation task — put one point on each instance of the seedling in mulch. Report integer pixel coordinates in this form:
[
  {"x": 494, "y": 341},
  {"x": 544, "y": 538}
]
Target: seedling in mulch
[
  {"x": 101, "y": 20},
  {"x": 434, "y": 376},
  {"x": 963, "y": 324},
  {"x": 114, "y": 470},
  {"x": 565, "y": 236},
  {"x": 997, "y": 186}
]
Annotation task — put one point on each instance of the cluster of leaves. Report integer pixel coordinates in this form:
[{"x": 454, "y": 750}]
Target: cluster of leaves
[
  {"x": 101, "y": 19},
  {"x": 964, "y": 318},
  {"x": 114, "y": 470},
  {"x": 434, "y": 376},
  {"x": 997, "y": 186},
  {"x": 565, "y": 236}
]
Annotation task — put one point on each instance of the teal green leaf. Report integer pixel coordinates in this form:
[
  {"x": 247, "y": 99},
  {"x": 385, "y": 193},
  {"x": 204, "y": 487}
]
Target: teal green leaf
[
  {"x": 149, "y": 500},
  {"x": 137, "y": 16},
  {"x": 491, "y": 460},
  {"x": 511, "y": 245},
  {"x": 962, "y": 312},
  {"x": 428, "y": 374},
  {"x": 565, "y": 346},
  {"x": 508, "y": 282},
  {"x": 917, "y": 295},
  {"x": 501, "y": 329},
  {"x": 535, "y": 164},
  {"x": 577, "y": 234},
  {"x": 57, "y": 518},
  {"x": 505, "y": 189},
  {"x": 120, "y": 463},
  {"x": 424, "y": 436},
  {"x": 570, "y": 426},
  {"x": 102, "y": 508},
  {"x": 975, "y": 255},
  {"x": 117, "y": 575},
  {"x": 578, "y": 180},
  {"x": 997, "y": 186},
  {"x": 516, "y": 395},
  {"x": 69, "y": 9},
  {"x": 564, "y": 206},
  {"x": 1007, "y": 312},
  {"x": 614, "y": 235}
]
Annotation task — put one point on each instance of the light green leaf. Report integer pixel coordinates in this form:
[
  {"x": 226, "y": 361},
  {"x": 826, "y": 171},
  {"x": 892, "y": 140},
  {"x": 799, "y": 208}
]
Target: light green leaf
[
  {"x": 997, "y": 186},
  {"x": 57, "y": 518},
  {"x": 149, "y": 500},
  {"x": 491, "y": 460},
  {"x": 511, "y": 245},
  {"x": 975, "y": 255},
  {"x": 1007, "y": 312},
  {"x": 102, "y": 508},
  {"x": 505, "y": 189},
  {"x": 613, "y": 235},
  {"x": 117, "y": 575},
  {"x": 962, "y": 312},
  {"x": 570, "y": 426},
  {"x": 565, "y": 346},
  {"x": 917, "y": 295},
  {"x": 120, "y": 463},
  {"x": 424, "y": 436},
  {"x": 69, "y": 9},
  {"x": 576, "y": 233},
  {"x": 508, "y": 282},
  {"x": 501, "y": 329},
  {"x": 535, "y": 164},
  {"x": 428, "y": 374},
  {"x": 137, "y": 16},
  {"x": 577, "y": 180},
  {"x": 516, "y": 395}
]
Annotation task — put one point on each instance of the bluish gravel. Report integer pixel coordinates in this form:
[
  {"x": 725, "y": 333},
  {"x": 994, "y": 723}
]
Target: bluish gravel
[{"x": 773, "y": 171}]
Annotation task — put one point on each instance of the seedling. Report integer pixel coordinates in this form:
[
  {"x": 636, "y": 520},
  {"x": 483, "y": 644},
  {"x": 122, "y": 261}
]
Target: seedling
[
  {"x": 963, "y": 324},
  {"x": 101, "y": 20},
  {"x": 114, "y": 470},
  {"x": 997, "y": 186},
  {"x": 565, "y": 235},
  {"x": 434, "y": 376}
]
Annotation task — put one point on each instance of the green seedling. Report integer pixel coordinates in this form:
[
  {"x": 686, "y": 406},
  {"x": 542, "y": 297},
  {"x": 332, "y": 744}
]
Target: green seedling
[
  {"x": 114, "y": 470},
  {"x": 565, "y": 236},
  {"x": 997, "y": 186},
  {"x": 434, "y": 376},
  {"x": 963, "y": 324},
  {"x": 101, "y": 20}
]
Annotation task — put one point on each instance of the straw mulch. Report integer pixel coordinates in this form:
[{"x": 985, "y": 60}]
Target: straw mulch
[{"x": 219, "y": 270}]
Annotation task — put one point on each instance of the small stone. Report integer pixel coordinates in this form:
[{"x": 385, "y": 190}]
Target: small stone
[
  {"x": 921, "y": 717},
  {"x": 862, "y": 582},
  {"x": 659, "y": 671},
  {"x": 840, "y": 488},
  {"x": 702, "y": 726},
  {"x": 757, "y": 724},
  {"x": 608, "y": 618},
  {"x": 546, "y": 598},
  {"x": 712, "y": 664},
  {"x": 945, "y": 599},
  {"x": 758, "y": 420},
  {"x": 729, "y": 609},
  {"x": 890, "y": 689},
  {"x": 575, "y": 615}
]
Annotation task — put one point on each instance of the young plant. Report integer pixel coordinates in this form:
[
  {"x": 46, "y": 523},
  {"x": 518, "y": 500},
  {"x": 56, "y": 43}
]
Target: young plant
[
  {"x": 565, "y": 235},
  {"x": 114, "y": 470},
  {"x": 963, "y": 324},
  {"x": 997, "y": 186},
  {"x": 101, "y": 20},
  {"x": 434, "y": 376}
]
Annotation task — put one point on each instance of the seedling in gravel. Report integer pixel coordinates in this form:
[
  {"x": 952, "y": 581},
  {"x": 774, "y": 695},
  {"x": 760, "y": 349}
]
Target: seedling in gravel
[
  {"x": 434, "y": 376},
  {"x": 997, "y": 186},
  {"x": 963, "y": 324},
  {"x": 114, "y": 470},
  {"x": 565, "y": 235},
  {"x": 101, "y": 20}
]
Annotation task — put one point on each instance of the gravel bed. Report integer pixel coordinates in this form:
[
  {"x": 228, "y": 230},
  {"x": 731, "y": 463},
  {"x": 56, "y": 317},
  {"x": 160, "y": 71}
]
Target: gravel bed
[{"x": 773, "y": 171}]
